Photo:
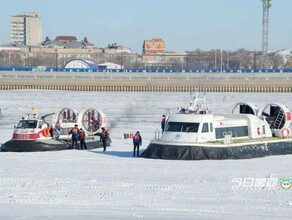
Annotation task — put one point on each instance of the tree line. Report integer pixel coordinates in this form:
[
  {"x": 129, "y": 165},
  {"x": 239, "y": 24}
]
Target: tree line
[{"x": 197, "y": 59}]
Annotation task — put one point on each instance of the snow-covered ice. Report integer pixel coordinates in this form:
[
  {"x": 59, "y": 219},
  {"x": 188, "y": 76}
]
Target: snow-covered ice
[{"x": 93, "y": 184}]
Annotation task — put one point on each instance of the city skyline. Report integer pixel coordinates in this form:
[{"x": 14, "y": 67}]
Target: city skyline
[{"x": 187, "y": 25}]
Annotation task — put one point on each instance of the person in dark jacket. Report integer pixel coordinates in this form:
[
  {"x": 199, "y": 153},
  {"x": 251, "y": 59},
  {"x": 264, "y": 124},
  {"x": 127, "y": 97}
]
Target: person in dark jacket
[
  {"x": 103, "y": 137},
  {"x": 163, "y": 122},
  {"x": 75, "y": 134},
  {"x": 137, "y": 141},
  {"x": 82, "y": 140}
]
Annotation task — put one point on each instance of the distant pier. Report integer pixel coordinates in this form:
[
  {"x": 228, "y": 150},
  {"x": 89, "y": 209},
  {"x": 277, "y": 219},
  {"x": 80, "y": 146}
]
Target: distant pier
[{"x": 147, "y": 82}]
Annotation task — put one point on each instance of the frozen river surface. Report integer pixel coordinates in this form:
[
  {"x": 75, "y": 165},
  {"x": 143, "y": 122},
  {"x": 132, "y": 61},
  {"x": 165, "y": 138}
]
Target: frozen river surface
[{"x": 92, "y": 184}]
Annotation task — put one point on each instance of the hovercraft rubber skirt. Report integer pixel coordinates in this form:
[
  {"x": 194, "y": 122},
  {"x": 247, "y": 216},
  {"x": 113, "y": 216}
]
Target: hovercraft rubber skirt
[
  {"x": 44, "y": 145},
  {"x": 178, "y": 152}
]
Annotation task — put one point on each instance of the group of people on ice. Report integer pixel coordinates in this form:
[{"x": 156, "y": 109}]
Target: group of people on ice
[{"x": 79, "y": 135}]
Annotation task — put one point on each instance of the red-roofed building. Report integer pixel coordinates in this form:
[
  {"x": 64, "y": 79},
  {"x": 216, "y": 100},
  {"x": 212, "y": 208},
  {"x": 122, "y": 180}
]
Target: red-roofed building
[
  {"x": 156, "y": 45},
  {"x": 66, "y": 38}
]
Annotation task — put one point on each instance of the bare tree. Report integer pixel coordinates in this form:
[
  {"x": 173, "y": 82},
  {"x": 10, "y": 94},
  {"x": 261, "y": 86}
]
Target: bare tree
[
  {"x": 197, "y": 59},
  {"x": 276, "y": 61}
]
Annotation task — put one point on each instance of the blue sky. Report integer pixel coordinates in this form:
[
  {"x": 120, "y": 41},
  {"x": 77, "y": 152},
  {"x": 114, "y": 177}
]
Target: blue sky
[{"x": 184, "y": 25}]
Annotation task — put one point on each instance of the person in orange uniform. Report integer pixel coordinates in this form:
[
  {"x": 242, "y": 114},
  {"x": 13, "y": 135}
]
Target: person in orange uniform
[
  {"x": 137, "y": 141},
  {"x": 82, "y": 139},
  {"x": 104, "y": 137},
  {"x": 75, "y": 134}
]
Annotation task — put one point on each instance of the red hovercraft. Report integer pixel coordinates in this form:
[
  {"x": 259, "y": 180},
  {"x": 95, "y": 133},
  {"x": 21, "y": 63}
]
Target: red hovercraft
[{"x": 32, "y": 133}]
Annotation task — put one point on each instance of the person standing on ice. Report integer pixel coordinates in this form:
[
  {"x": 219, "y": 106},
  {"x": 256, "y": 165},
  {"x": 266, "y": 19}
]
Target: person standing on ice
[
  {"x": 50, "y": 130},
  {"x": 137, "y": 141},
  {"x": 103, "y": 137},
  {"x": 163, "y": 122},
  {"x": 75, "y": 134},
  {"x": 82, "y": 140},
  {"x": 58, "y": 130}
]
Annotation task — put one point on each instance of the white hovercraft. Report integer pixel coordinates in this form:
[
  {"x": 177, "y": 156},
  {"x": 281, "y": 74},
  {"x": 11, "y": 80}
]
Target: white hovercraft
[
  {"x": 195, "y": 134},
  {"x": 31, "y": 133}
]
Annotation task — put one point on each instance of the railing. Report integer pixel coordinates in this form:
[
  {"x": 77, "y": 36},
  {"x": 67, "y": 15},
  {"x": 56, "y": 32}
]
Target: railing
[
  {"x": 147, "y": 70},
  {"x": 149, "y": 82},
  {"x": 19, "y": 75}
]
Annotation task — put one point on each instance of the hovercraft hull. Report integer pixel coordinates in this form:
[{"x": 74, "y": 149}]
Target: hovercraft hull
[
  {"x": 44, "y": 145},
  {"x": 33, "y": 145},
  {"x": 170, "y": 151}
]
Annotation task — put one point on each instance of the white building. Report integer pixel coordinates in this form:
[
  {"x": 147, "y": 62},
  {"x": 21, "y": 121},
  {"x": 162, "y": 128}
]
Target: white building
[
  {"x": 26, "y": 29},
  {"x": 81, "y": 64},
  {"x": 109, "y": 66}
]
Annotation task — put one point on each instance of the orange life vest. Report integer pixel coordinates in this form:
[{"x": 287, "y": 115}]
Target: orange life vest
[
  {"x": 136, "y": 137},
  {"x": 82, "y": 134},
  {"x": 47, "y": 132},
  {"x": 104, "y": 134},
  {"x": 74, "y": 130}
]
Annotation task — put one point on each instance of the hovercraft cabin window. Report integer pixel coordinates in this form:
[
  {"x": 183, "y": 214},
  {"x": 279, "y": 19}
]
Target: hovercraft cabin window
[
  {"x": 240, "y": 131},
  {"x": 182, "y": 127},
  {"x": 207, "y": 127},
  {"x": 27, "y": 124}
]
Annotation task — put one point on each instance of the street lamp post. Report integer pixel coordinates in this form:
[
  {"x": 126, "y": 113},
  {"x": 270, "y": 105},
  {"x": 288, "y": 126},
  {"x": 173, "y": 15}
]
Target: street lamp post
[
  {"x": 24, "y": 61},
  {"x": 227, "y": 63},
  {"x": 221, "y": 61},
  {"x": 255, "y": 59},
  {"x": 215, "y": 62},
  {"x": 56, "y": 60},
  {"x": 182, "y": 66},
  {"x": 187, "y": 60},
  {"x": 121, "y": 59}
]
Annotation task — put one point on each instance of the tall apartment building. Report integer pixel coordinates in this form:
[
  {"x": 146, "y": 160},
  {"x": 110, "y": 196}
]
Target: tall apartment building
[
  {"x": 156, "y": 45},
  {"x": 26, "y": 29}
]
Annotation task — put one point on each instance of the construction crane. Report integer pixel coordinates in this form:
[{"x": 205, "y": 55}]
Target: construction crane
[{"x": 265, "y": 34}]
